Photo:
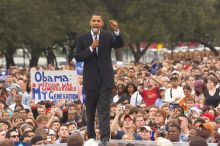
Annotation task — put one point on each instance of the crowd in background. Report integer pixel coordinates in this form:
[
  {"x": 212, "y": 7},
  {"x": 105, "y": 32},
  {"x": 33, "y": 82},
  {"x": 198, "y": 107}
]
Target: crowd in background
[{"x": 174, "y": 100}]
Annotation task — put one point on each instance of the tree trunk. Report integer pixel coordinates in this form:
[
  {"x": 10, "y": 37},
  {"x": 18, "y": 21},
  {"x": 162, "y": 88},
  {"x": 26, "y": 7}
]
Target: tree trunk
[
  {"x": 9, "y": 60},
  {"x": 211, "y": 47},
  {"x": 72, "y": 44},
  {"x": 71, "y": 53},
  {"x": 137, "y": 58},
  {"x": 137, "y": 52},
  {"x": 208, "y": 45},
  {"x": 34, "y": 57},
  {"x": 51, "y": 57},
  {"x": 34, "y": 61},
  {"x": 9, "y": 57}
]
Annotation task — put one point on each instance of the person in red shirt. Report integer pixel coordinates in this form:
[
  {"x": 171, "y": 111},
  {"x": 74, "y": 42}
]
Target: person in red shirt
[{"x": 151, "y": 93}]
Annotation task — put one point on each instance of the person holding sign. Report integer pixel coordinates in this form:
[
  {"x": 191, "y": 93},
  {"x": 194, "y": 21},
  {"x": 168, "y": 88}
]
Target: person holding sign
[{"x": 94, "y": 48}]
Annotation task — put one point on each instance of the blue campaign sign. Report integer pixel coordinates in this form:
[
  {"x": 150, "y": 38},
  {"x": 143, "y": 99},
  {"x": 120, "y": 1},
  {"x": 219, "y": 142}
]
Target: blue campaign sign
[
  {"x": 3, "y": 75},
  {"x": 79, "y": 68},
  {"x": 154, "y": 68}
]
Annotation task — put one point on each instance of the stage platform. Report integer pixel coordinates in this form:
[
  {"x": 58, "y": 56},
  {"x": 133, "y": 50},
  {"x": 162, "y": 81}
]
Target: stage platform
[{"x": 137, "y": 143}]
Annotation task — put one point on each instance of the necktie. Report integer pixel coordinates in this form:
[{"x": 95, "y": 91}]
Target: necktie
[{"x": 96, "y": 49}]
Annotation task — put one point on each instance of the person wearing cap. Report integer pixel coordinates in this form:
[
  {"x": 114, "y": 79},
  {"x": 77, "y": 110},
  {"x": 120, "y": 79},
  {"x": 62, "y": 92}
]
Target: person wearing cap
[
  {"x": 175, "y": 93},
  {"x": 206, "y": 130},
  {"x": 208, "y": 117},
  {"x": 145, "y": 133},
  {"x": 160, "y": 100},
  {"x": 127, "y": 127},
  {"x": 52, "y": 136}
]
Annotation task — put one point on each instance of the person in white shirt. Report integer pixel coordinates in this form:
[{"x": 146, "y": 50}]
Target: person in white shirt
[
  {"x": 17, "y": 100},
  {"x": 175, "y": 93}
]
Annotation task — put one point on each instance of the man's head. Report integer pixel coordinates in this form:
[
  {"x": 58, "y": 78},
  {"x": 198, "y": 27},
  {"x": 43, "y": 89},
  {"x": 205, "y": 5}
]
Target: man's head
[
  {"x": 75, "y": 139},
  {"x": 2, "y": 134},
  {"x": 174, "y": 81},
  {"x": 6, "y": 115},
  {"x": 12, "y": 135},
  {"x": 16, "y": 120},
  {"x": 206, "y": 130},
  {"x": 193, "y": 133},
  {"x": 174, "y": 132},
  {"x": 18, "y": 99},
  {"x": 42, "y": 121},
  {"x": 6, "y": 142},
  {"x": 139, "y": 121},
  {"x": 37, "y": 140},
  {"x": 63, "y": 132},
  {"x": 198, "y": 142},
  {"x": 96, "y": 22},
  {"x": 55, "y": 125},
  {"x": 160, "y": 117},
  {"x": 145, "y": 133},
  {"x": 128, "y": 122}
]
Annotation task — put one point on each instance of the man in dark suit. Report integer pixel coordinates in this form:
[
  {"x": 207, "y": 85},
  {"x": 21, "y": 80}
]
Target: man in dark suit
[{"x": 94, "y": 48}]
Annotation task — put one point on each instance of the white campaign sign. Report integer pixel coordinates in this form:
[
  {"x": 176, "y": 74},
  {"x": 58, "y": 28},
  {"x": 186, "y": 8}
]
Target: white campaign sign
[{"x": 54, "y": 85}]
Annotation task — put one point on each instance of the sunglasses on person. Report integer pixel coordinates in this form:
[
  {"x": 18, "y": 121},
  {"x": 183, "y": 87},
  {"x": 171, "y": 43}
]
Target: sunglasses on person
[{"x": 14, "y": 136}]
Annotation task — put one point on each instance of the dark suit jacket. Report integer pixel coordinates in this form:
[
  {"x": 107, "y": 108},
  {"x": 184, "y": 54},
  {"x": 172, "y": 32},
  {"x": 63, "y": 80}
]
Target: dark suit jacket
[{"x": 97, "y": 65}]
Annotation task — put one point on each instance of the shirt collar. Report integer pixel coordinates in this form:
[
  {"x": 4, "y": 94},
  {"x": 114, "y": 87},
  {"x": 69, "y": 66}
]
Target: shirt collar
[{"x": 93, "y": 33}]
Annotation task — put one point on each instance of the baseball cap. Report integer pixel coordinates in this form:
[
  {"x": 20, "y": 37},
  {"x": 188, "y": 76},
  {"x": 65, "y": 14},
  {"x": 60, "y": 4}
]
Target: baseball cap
[
  {"x": 208, "y": 115},
  {"x": 173, "y": 77},
  {"x": 147, "y": 128},
  {"x": 128, "y": 116},
  {"x": 207, "y": 126},
  {"x": 162, "y": 88},
  {"x": 51, "y": 132}
]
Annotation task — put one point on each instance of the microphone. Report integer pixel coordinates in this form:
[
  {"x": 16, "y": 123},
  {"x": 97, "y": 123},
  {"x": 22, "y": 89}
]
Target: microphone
[{"x": 95, "y": 32}]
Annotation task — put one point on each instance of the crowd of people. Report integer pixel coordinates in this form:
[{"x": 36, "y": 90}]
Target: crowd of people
[{"x": 177, "y": 101}]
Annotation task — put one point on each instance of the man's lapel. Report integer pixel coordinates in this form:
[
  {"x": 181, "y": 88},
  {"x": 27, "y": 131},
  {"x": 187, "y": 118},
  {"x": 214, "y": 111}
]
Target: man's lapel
[{"x": 101, "y": 43}]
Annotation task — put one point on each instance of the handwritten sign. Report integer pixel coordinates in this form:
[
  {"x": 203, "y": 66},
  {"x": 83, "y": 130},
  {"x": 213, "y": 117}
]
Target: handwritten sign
[{"x": 54, "y": 85}]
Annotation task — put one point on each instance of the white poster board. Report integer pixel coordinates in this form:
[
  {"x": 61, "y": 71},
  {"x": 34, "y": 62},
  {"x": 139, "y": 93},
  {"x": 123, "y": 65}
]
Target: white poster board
[{"x": 54, "y": 85}]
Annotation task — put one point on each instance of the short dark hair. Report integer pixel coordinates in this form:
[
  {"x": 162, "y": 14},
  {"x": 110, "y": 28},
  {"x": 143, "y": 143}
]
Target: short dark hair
[
  {"x": 76, "y": 139},
  {"x": 198, "y": 141},
  {"x": 6, "y": 143},
  {"x": 129, "y": 144},
  {"x": 96, "y": 14},
  {"x": 176, "y": 126}
]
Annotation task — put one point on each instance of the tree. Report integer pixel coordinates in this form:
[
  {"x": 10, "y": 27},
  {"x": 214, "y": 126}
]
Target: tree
[{"x": 9, "y": 30}]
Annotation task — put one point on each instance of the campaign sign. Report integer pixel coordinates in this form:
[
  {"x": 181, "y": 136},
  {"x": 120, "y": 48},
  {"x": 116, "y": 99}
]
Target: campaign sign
[
  {"x": 54, "y": 85},
  {"x": 79, "y": 68}
]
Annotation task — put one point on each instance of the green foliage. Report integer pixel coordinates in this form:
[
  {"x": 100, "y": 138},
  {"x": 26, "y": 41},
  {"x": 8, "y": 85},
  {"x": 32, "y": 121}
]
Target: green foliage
[{"x": 39, "y": 24}]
